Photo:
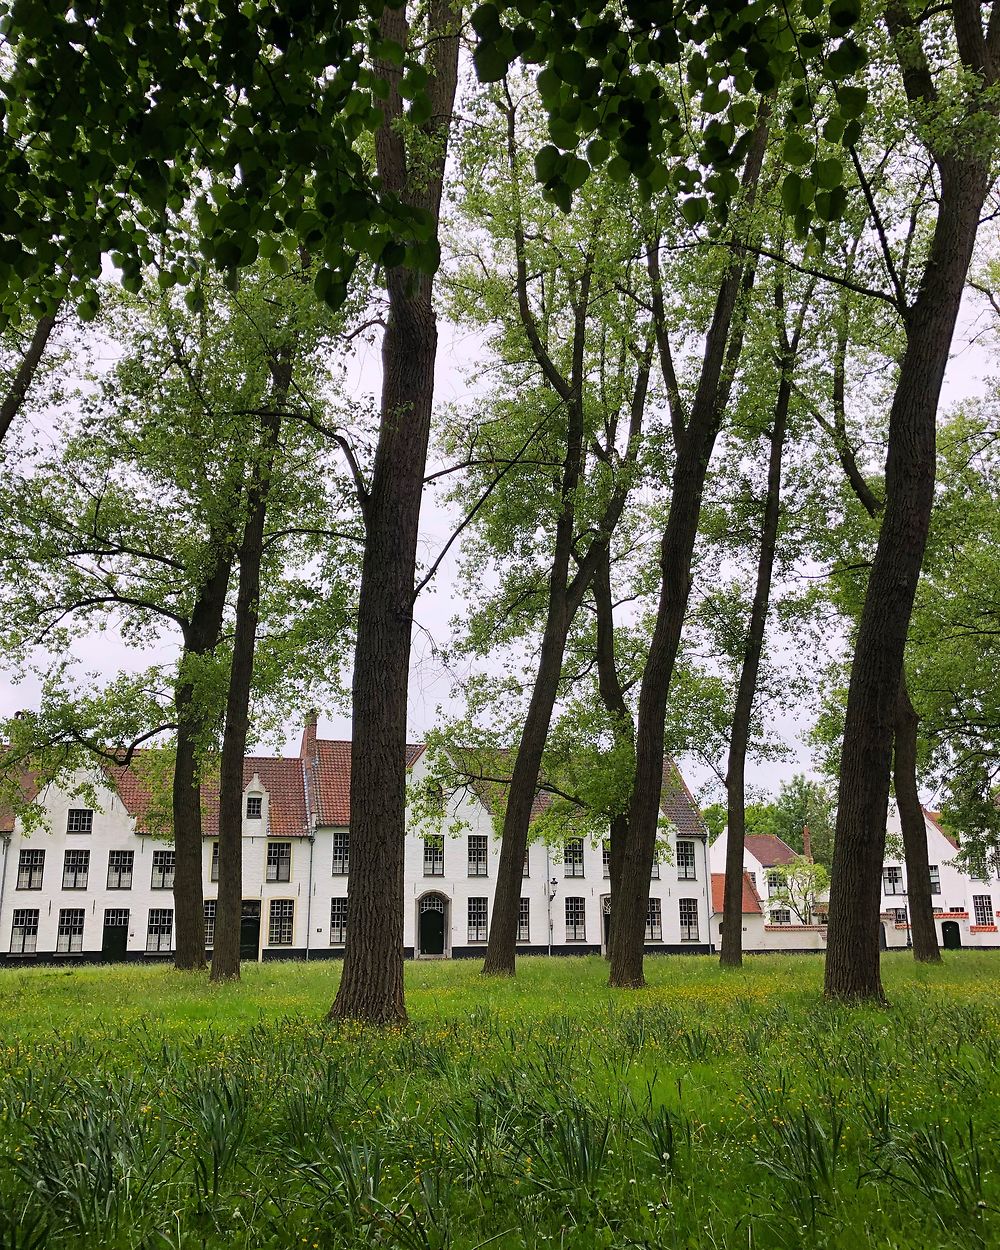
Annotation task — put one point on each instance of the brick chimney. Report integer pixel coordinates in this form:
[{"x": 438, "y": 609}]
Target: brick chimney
[
  {"x": 308, "y": 748},
  {"x": 807, "y": 849}
]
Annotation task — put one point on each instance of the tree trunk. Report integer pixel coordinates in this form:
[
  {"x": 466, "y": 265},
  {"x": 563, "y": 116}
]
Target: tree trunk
[
  {"x": 229, "y": 907},
  {"x": 201, "y": 637},
  {"x": 911, "y": 818},
  {"x": 852, "y": 964},
  {"x": 732, "y": 907},
  {"x": 694, "y": 451},
  {"x": 24, "y": 375}
]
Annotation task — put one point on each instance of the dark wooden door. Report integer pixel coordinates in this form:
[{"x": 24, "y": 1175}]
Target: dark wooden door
[
  {"x": 250, "y": 929},
  {"x": 951, "y": 935},
  {"x": 432, "y": 933},
  {"x": 114, "y": 946}
]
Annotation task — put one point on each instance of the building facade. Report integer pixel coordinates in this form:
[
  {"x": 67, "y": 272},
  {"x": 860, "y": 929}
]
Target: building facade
[{"x": 93, "y": 883}]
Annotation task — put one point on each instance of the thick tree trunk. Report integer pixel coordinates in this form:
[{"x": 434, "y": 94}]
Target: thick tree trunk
[
  {"x": 694, "y": 451},
  {"x": 229, "y": 907},
  {"x": 201, "y": 637},
  {"x": 911, "y": 819},
  {"x": 732, "y": 907},
  {"x": 852, "y": 965},
  {"x": 24, "y": 375}
]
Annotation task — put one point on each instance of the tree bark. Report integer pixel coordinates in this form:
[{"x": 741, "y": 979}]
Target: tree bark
[
  {"x": 695, "y": 446},
  {"x": 201, "y": 636},
  {"x": 24, "y": 375},
  {"x": 371, "y": 985},
  {"x": 732, "y": 906},
  {"x": 852, "y": 965},
  {"x": 911, "y": 819},
  {"x": 229, "y": 907}
]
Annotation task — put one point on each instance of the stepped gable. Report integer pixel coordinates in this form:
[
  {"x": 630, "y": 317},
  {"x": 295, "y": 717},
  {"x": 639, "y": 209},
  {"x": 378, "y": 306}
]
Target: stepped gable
[
  {"x": 329, "y": 761},
  {"x": 283, "y": 779},
  {"x": 751, "y": 899},
  {"x": 768, "y": 849}
]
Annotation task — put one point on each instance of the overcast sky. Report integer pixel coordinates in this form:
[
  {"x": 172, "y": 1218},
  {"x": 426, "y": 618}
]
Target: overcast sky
[{"x": 104, "y": 653}]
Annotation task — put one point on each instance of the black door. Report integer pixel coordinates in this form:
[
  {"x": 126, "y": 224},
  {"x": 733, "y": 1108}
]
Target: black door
[
  {"x": 115, "y": 944},
  {"x": 882, "y": 943},
  {"x": 432, "y": 932},
  {"x": 951, "y": 935},
  {"x": 606, "y": 918},
  {"x": 250, "y": 929}
]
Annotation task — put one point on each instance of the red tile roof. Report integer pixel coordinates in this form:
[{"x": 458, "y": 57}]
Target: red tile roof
[
  {"x": 935, "y": 819},
  {"x": 281, "y": 778},
  {"x": 330, "y": 779},
  {"x": 678, "y": 805},
  {"x": 768, "y": 849},
  {"x": 27, "y": 783},
  {"x": 751, "y": 899}
]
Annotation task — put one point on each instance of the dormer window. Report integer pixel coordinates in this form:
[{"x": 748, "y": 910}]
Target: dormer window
[
  {"x": 255, "y": 806},
  {"x": 80, "y": 820}
]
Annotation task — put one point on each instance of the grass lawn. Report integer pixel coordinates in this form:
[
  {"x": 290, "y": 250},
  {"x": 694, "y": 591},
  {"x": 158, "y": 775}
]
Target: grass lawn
[{"x": 142, "y": 1108}]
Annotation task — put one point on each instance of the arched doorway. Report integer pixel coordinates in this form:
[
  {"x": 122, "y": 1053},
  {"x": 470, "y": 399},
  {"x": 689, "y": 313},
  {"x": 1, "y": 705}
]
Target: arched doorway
[
  {"x": 432, "y": 916},
  {"x": 951, "y": 935},
  {"x": 606, "y": 924}
]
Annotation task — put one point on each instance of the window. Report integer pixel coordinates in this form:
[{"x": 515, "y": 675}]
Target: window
[
  {"x": 606, "y": 857},
  {"x": 573, "y": 858},
  {"x": 687, "y": 910},
  {"x": 685, "y": 861},
  {"x": 892, "y": 879},
  {"x": 116, "y": 918},
  {"x": 478, "y": 855},
  {"x": 654, "y": 872},
  {"x": 255, "y": 806},
  {"x": 576, "y": 920},
  {"x": 120, "y": 869},
  {"x": 30, "y": 867},
  {"x": 937, "y": 910},
  {"x": 160, "y": 928},
  {"x": 338, "y": 921},
  {"x": 279, "y": 861},
  {"x": 523, "y": 920},
  {"x": 977, "y": 868},
  {"x": 79, "y": 820},
  {"x": 982, "y": 909},
  {"x": 775, "y": 879},
  {"x": 76, "y": 869},
  {"x": 524, "y": 866},
  {"x": 163, "y": 870},
  {"x": 654, "y": 921},
  {"x": 477, "y": 919},
  {"x": 434, "y": 855},
  {"x": 69, "y": 937},
  {"x": 753, "y": 879},
  {"x": 280, "y": 929},
  {"x": 209, "y": 923},
  {"x": 341, "y": 852},
  {"x": 214, "y": 874},
  {"x": 781, "y": 915},
  {"x": 935, "y": 872},
  {"x": 899, "y": 915},
  {"x": 24, "y": 934}
]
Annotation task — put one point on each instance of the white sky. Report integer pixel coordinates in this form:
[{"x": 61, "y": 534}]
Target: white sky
[{"x": 104, "y": 654}]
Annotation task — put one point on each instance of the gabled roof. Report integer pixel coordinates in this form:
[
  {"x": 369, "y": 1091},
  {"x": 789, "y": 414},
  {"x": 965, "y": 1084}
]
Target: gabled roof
[
  {"x": 27, "y": 783},
  {"x": 751, "y": 899},
  {"x": 281, "y": 778},
  {"x": 678, "y": 805},
  {"x": 935, "y": 819},
  {"x": 331, "y": 778},
  {"x": 768, "y": 849}
]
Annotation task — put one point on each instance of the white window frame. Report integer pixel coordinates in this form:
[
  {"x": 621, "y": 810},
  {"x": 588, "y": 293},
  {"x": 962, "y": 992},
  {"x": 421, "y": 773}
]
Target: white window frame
[
  {"x": 24, "y": 931},
  {"x": 524, "y": 920},
  {"x": 687, "y": 862},
  {"x": 478, "y": 914},
  {"x": 80, "y": 820},
  {"x": 654, "y": 920},
  {"x": 982, "y": 909},
  {"x": 281, "y": 921},
  {"x": 338, "y": 922},
  {"x": 161, "y": 873},
  {"x": 576, "y": 928},
  {"x": 118, "y": 869},
  {"x": 479, "y": 855},
  {"x": 69, "y": 935},
  {"x": 159, "y": 926},
  {"x": 687, "y": 914},
  {"x": 71, "y": 876},
  {"x": 30, "y": 868},
  {"x": 341, "y": 852},
  {"x": 573, "y": 865},
  {"x": 276, "y": 860}
]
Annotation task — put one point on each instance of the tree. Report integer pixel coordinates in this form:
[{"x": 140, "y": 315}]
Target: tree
[
  {"x": 411, "y": 151},
  {"x": 801, "y": 885}
]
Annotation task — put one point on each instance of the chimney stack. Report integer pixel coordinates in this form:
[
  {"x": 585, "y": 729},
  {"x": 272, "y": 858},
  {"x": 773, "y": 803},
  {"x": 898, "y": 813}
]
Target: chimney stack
[
  {"x": 308, "y": 747},
  {"x": 807, "y": 849}
]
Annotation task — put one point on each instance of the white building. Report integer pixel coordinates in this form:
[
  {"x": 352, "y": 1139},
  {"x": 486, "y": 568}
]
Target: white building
[{"x": 93, "y": 884}]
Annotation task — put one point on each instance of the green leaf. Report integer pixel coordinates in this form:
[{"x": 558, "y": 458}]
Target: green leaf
[
  {"x": 694, "y": 210},
  {"x": 852, "y": 101},
  {"x": 491, "y": 61},
  {"x": 577, "y": 173},
  {"x": 546, "y": 162},
  {"x": 598, "y": 151},
  {"x": 830, "y": 205},
  {"x": 828, "y": 173},
  {"x": 845, "y": 60},
  {"x": 791, "y": 192},
  {"x": 797, "y": 150},
  {"x": 563, "y": 133},
  {"x": 845, "y": 13}
]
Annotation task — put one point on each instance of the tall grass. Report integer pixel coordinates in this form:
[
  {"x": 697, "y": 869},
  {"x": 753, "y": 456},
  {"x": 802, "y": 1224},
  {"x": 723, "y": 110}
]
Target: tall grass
[{"x": 709, "y": 1112}]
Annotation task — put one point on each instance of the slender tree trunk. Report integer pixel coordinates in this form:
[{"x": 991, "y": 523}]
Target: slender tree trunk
[
  {"x": 201, "y": 637},
  {"x": 911, "y": 819},
  {"x": 371, "y": 985},
  {"x": 732, "y": 907},
  {"x": 852, "y": 964},
  {"x": 694, "y": 451},
  {"x": 24, "y": 375},
  {"x": 229, "y": 907}
]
